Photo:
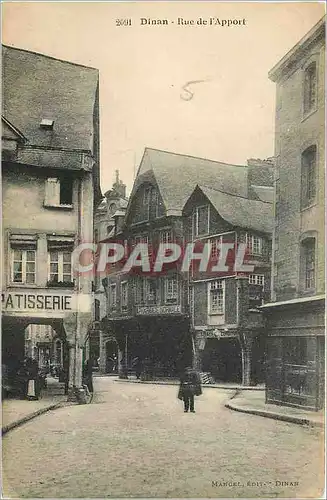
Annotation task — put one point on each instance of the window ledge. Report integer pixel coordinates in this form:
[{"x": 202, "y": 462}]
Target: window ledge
[
  {"x": 60, "y": 284},
  {"x": 140, "y": 222},
  {"x": 60, "y": 207},
  {"x": 216, "y": 314},
  {"x": 307, "y": 292},
  {"x": 24, "y": 285}
]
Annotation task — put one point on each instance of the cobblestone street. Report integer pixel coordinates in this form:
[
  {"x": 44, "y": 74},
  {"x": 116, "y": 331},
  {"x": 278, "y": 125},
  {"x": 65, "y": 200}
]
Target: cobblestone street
[{"x": 135, "y": 440}]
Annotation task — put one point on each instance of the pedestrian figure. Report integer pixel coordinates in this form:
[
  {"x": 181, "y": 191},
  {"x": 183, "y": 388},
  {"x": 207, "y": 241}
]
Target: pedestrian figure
[
  {"x": 138, "y": 365},
  {"x": 190, "y": 386},
  {"x": 33, "y": 388},
  {"x": 88, "y": 374}
]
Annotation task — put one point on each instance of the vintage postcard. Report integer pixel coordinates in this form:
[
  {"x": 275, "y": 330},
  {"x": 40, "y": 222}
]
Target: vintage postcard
[{"x": 163, "y": 257}]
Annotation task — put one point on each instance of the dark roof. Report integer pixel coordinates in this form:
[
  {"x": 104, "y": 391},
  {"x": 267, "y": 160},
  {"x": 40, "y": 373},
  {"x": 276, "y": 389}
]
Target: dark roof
[
  {"x": 36, "y": 86},
  {"x": 241, "y": 212},
  {"x": 177, "y": 175}
]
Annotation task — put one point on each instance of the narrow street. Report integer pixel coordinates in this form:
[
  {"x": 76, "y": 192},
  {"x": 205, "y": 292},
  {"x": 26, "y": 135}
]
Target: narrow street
[{"x": 135, "y": 440}]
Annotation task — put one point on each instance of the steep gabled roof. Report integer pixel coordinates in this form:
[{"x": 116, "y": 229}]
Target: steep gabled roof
[
  {"x": 36, "y": 86},
  {"x": 177, "y": 175},
  {"x": 241, "y": 212}
]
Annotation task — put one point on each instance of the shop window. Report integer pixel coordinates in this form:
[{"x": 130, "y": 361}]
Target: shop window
[
  {"x": 295, "y": 350},
  {"x": 217, "y": 296}
]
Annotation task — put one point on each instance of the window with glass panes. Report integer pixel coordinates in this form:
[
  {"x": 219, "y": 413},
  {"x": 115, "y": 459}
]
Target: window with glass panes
[
  {"x": 216, "y": 297},
  {"x": 124, "y": 294},
  {"x": 310, "y": 88},
  {"x": 171, "y": 290},
  {"x": 254, "y": 244},
  {"x": 257, "y": 279},
  {"x": 112, "y": 295},
  {"x": 146, "y": 196},
  {"x": 308, "y": 176},
  {"x": 202, "y": 220},
  {"x": 60, "y": 265},
  {"x": 215, "y": 243},
  {"x": 143, "y": 239},
  {"x": 23, "y": 266},
  {"x": 191, "y": 301},
  {"x": 256, "y": 287},
  {"x": 309, "y": 263},
  {"x": 166, "y": 236},
  {"x": 151, "y": 291}
]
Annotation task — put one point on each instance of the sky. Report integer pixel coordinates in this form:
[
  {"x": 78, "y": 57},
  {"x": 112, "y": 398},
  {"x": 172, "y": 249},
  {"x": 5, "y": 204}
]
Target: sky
[{"x": 229, "y": 114}]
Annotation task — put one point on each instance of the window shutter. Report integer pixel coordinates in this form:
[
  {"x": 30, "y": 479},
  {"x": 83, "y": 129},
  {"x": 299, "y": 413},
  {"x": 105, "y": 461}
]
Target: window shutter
[{"x": 52, "y": 191}]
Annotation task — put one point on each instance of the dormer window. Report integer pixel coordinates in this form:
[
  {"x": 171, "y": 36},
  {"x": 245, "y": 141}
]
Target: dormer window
[
  {"x": 146, "y": 196},
  {"x": 202, "y": 220},
  {"x": 47, "y": 124}
]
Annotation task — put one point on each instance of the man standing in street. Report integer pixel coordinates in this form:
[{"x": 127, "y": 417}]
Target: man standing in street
[{"x": 190, "y": 386}]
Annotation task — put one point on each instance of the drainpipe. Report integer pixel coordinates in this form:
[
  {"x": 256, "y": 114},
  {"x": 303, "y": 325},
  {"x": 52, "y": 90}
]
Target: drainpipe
[{"x": 78, "y": 281}]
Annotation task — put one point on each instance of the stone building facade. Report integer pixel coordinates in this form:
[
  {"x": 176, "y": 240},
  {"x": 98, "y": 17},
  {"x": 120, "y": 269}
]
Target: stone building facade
[
  {"x": 226, "y": 321},
  {"x": 50, "y": 179},
  {"x": 107, "y": 220},
  {"x": 149, "y": 314},
  {"x": 296, "y": 334}
]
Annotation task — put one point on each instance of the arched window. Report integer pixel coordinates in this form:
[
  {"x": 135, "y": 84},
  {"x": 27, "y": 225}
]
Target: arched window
[
  {"x": 308, "y": 175},
  {"x": 310, "y": 88}
]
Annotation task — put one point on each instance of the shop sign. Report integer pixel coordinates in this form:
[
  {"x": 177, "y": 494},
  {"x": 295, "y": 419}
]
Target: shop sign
[
  {"x": 36, "y": 302},
  {"x": 158, "y": 310}
]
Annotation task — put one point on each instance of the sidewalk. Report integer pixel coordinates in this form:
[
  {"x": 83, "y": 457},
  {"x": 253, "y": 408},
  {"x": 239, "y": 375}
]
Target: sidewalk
[
  {"x": 250, "y": 400},
  {"x": 253, "y": 402},
  {"x": 15, "y": 412},
  {"x": 169, "y": 381}
]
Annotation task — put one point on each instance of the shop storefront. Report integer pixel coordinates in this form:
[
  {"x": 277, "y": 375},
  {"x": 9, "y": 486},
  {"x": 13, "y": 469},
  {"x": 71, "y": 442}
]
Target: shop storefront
[{"x": 296, "y": 355}]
